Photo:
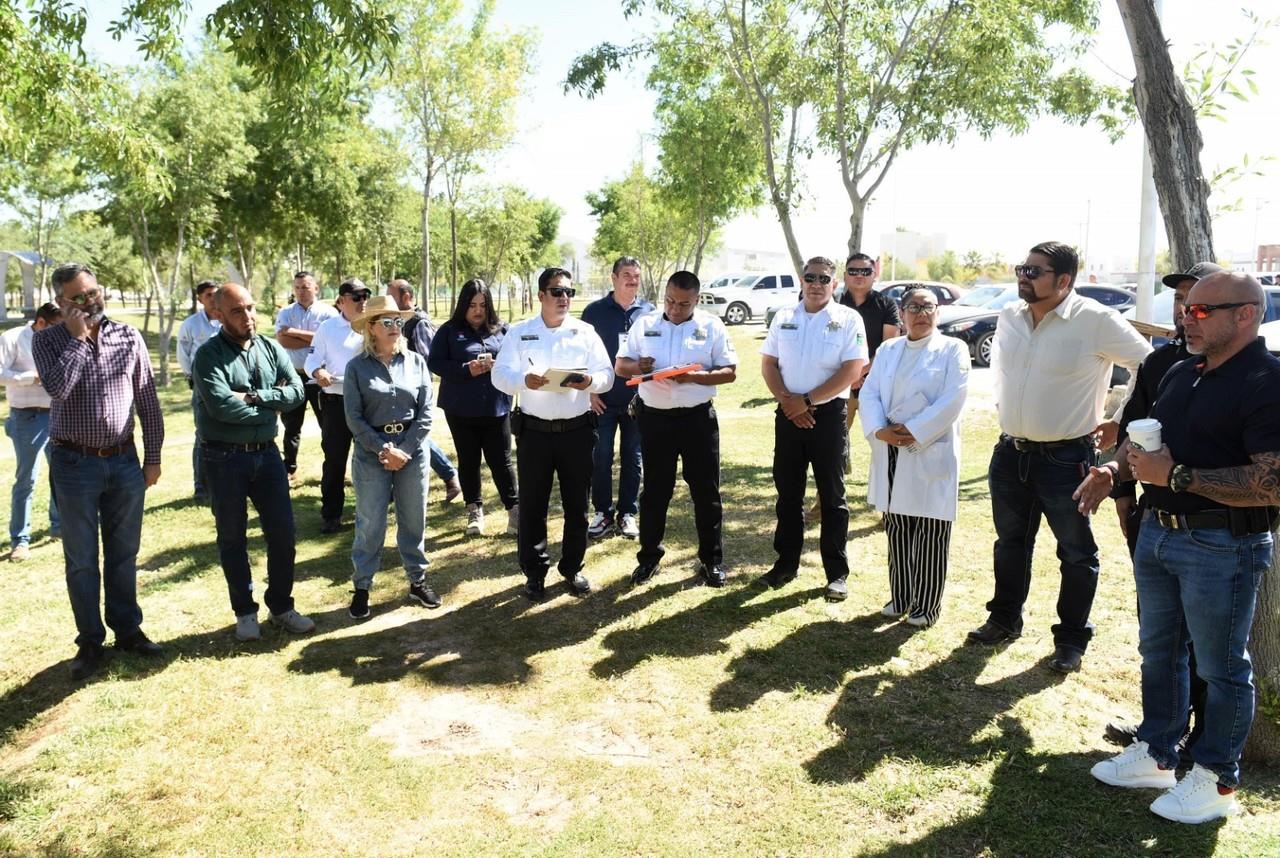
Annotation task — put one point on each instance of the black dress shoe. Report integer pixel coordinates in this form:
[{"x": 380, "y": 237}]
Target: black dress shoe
[
  {"x": 1120, "y": 734},
  {"x": 331, "y": 525},
  {"x": 578, "y": 585},
  {"x": 535, "y": 591},
  {"x": 712, "y": 576},
  {"x": 88, "y": 660},
  {"x": 989, "y": 633},
  {"x": 139, "y": 644},
  {"x": 644, "y": 572},
  {"x": 837, "y": 590},
  {"x": 1065, "y": 659},
  {"x": 777, "y": 578}
]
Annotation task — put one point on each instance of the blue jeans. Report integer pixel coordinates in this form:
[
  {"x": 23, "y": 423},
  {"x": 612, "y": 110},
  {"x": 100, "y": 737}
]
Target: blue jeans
[
  {"x": 616, "y": 420},
  {"x": 376, "y": 488},
  {"x": 107, "y": 493},
  {"x": 238, "y": 478},
  {"x": 1024, "y": 487},
  {"x": 29, "y": 430},
  {"x": 440, "y": 463},
  {"x": 1197, "y": 586}
]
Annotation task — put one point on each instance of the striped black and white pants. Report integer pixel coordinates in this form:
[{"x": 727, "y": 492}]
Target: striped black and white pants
[{"x": 918, "y": 551}]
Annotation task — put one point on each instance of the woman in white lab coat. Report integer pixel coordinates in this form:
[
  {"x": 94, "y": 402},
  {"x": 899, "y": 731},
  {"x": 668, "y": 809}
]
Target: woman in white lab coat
[{"x": 910, "y": 406}]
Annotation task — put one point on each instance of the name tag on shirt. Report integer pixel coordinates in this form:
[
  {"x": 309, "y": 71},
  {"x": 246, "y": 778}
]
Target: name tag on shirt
[
  {"x": 527, "y": 337},
  {"x": 653, "y": 333},
  {"x": 789, "y": 326}
]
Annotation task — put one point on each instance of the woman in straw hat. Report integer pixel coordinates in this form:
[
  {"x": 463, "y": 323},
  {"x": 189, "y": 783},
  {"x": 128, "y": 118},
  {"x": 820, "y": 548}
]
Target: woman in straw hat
[{"x": 387, "y": 396}]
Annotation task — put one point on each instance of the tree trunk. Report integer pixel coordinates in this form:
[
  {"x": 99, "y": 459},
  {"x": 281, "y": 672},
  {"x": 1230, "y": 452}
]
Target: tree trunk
[
  {"x": 453, "y": 253},
  {"x": 1263, "y": 745},
  {"x": 1172, "y": 136},
  {"x": 426, "y": 245}
]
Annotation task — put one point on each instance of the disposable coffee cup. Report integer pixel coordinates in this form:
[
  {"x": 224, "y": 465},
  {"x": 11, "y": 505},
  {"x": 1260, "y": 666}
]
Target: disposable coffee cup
[{"x": 1145, "y": 435}]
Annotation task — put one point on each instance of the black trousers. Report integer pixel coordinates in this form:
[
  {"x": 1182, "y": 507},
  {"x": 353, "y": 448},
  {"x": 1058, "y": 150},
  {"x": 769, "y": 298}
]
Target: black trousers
[
  {"x": 492, "y": 437},
  {"x": 691, "y": 435},
  {"x": 1199, "y": 688},
  {"x": 794, "y": 450},
  {"x": 541, "y": 458},
  {"x": 335, "y": 441},
  {"x": 291, "y": 422}
]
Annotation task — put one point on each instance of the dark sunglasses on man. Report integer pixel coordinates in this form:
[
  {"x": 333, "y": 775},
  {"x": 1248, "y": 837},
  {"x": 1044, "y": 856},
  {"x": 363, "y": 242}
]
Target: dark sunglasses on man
[
  {"x": 1031, "y": 272},
  {"x": 1200, "y": 312},
  {"x": 824, "y": 279},
  {"x": 854, "y": 271},
  {"x": 561, "y": 292}
]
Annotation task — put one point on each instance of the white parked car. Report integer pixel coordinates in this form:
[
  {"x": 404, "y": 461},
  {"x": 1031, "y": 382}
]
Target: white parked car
[
  {"x": 751, "y": 297},
  {"x": 724, "y": 281}
]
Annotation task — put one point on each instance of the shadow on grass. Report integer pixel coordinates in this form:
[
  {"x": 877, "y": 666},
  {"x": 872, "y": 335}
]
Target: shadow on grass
[
  {"x": 975, "y": 488},
  {"x": 489, "y": 641}
]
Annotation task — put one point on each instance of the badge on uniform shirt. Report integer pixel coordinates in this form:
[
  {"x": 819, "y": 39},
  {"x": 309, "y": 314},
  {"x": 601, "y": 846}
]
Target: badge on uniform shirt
[
  {"x": 789, "y": 326},
  {"x": 700, "y": 334},
  {"x": 833, "y": 325},
  {"x": 527, "y": 337}
]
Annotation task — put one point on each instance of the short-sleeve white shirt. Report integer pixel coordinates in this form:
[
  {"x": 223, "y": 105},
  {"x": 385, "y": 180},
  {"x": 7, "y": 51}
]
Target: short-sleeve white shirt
[
  {"x": 810, "y": 347},
  {"x": 304, "y": 319},
  {"x": 333, "y": 347},
  {"x": 700, "y": 339}
]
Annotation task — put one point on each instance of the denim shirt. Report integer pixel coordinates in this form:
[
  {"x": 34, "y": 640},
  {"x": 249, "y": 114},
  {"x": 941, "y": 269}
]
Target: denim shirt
[
  {"x": 612, "y": 324},
  {"x": 375, "y": 395},
  {"x": 461, "y": 393}
]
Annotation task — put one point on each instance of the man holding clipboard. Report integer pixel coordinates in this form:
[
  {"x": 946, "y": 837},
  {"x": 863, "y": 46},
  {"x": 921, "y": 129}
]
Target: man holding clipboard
[
  {"x": 677, "y": 420},
  {"x": 558, "y": 428}
]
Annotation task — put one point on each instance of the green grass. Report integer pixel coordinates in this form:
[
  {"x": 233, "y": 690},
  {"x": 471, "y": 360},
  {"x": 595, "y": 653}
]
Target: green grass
[{"x": 669, "y": 719}]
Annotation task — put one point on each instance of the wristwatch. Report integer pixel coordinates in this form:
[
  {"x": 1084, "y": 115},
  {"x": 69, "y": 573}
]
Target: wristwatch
[
  {"x": 808, "y": 403},
  {"x": 251, "y": 398},
  {"x": 1179, "y": 478}
]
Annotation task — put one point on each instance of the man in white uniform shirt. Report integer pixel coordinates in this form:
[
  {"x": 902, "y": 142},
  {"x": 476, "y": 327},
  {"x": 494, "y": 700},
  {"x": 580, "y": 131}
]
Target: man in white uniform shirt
[
  {"x": 296, "y": 325},
  {"x": 557, "y": 428},
  {"x": 334, "y": 345},
  {"x": 27, "y": 427},
  {"x": 813, "y": 352},
  {"x": 678, "y": 422},
  {"x": 1052, "y": 360},
  {"x": 194, "y": 332}
]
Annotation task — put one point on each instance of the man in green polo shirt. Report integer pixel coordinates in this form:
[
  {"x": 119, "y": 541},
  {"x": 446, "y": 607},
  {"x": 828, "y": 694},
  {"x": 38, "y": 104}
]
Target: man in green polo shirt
[{"x": 242, "y": 383}]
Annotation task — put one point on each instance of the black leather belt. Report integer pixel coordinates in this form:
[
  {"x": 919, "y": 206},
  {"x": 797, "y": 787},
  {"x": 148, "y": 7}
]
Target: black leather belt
[
  {"x": 675, "y": 412},
  {"x": 1243, "y": 521},
  {"x": 237, "y": 448},
  {"x": 566, "y": 425},
  {"x": 1026, "y": 445},
  {"x": 28, "y": 408},
  {"x": 99, "y": 452}
]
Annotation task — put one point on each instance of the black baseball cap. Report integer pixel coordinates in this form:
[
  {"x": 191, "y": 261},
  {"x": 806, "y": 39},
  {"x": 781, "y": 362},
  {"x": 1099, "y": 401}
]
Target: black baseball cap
[
  {"x": 1199, "y": 271},
  {"x": 352, "y": 286}
]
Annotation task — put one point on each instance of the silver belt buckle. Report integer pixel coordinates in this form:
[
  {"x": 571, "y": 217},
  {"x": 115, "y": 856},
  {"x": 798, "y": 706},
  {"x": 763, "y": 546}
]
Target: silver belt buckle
[{"x": 393, "y": 428}]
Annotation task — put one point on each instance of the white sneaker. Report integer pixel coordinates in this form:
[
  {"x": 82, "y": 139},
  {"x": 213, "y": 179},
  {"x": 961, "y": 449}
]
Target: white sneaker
[
  {"x": 247, "y": 628},
  {"x": 513, "y": 521},
  {"x": 599, "y": 525},
  {"x": 629, "y": 526},
  {"x": 292, "y": 621},
  {"x": 892, "y": 611},
  {"x": 918, "y": 622},
  {"x": 475, "y": 520},
  {"x": 1196, "y": 799},
  {"x": 1134, "y": 767}
]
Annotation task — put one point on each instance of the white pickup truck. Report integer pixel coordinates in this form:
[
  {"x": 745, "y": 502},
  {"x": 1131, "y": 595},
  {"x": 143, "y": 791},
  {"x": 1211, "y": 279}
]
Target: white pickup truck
[{"x": 751, "y": 297}]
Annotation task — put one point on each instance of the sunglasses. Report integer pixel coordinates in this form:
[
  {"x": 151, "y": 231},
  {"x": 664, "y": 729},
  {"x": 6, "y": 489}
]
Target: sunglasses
[
  {"x": 922, "y": 309},
  {"x": 1031, "y": 272},
  {"x": 561, "y": 292},
  {"x": 824, "y": 279},
  {"x": 390, "y": 322},
  {"x": 358, "y": 297},
  {"x": 85, "y": 297},
  {"x": 859, "y": 272},
  {"x": 1199, "y": 312}
]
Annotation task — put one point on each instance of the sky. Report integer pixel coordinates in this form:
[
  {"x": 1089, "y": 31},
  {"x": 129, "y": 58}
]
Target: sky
[{"x": 997, "y": 196}]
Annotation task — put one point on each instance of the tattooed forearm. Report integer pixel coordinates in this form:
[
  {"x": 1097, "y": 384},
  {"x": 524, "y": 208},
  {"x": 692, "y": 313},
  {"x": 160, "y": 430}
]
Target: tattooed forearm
[{"x": 1257, "y": 484}]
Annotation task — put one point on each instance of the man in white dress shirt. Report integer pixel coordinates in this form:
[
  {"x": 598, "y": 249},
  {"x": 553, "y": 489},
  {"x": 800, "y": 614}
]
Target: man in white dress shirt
[
  {"x": 812, "y": 354},
  {"x": 1052, "y": 360},
  {"x": 296, "y": 325},
  {"x": 557, "y": 428},
  {"x": 27, "y": 427},
  {"x": 677, "y": 421},
  {"x": 194, "y": 332},
  {"x": 334, "y": 345}
]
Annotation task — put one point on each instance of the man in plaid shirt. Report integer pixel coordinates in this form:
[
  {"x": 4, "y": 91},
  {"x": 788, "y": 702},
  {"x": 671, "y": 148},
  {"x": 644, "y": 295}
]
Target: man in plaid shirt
[{"x": 98, "y": 373}]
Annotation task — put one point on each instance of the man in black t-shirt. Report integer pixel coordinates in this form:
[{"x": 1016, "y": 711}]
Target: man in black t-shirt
[{"x": 1205, "y": 542}]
